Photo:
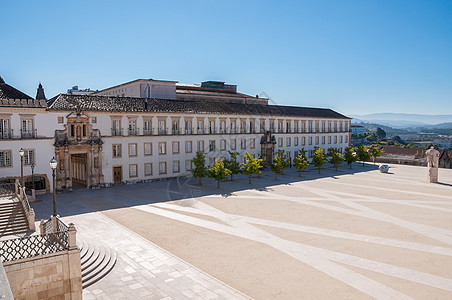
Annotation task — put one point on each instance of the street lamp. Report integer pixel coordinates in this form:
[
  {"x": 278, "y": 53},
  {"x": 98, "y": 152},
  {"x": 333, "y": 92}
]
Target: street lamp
[
  {"x": 53, "y": 164},
  {"x": 32, "y": 166},
  {"x": 21, "y": 153}
]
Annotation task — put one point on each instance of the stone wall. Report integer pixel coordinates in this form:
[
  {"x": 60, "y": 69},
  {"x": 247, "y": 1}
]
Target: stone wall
[{"x": 51, "y": 276}]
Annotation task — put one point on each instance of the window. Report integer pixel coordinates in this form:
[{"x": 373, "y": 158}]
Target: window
[
  {"x": 316, "y": 140},
  {"x": 233, "y": 144},
  {"x": 133, "y": 172},
  {"x": 176, "y": 166},
  {"x": 147, "y": 169},
  {"x": 132, "y": 127},
  {"x": 251, "y": 126},
  {"x": 162, "y": 167},
  {"x": 5, "y": 132},
  {"x": 5, "y": 158},
  {"x": 296, "y": 126},
  {"x": 94, "y": 120},
  {"x": 262, "y": 126},
  {"x": 252, "y": 143},
  {"x": 303, "y": 141},
  {"x": 242, "y": 144},
  {"x": 147, "y": 148},
  {"x": 280, "y": 127},
  {"x": 340, "y": 139},
  {"x": 116, "y": 150},
  {"x": 222, "y": 126},
  {"x": 233, "y": 126},
  {"x": 242, "y": 127},
  {"x": 288, "y": 142},
  {"x": 162, "y": 148},
  {"x": 323, "y": 126},
  {"x": 310, "y": 127},
  {"x": 200, "y": 127},
  {"x": 27, "y": 128},
  {"x": 223, "y": 145},
  {"x": 295, "y": 141},
  {"x": 212, "y": 127},
  {"x": 310, "y": 140},
  {"x": 335, "y": 139},
  {"x": 132, "y": 149},
  {"x": 280, "y": 142},
  {"x": 346, "y": 139},
  {"x": 175, "y": 147},
  {"x": 116, "y": 128},
  {"x": 272, "y": 126},
  {"x": 188, "y": 164},
  {"x": 323, "y": 139},
  {"x": 287, "y": 127},
  {"x": 147, "y": 127},
  {"x": 162, "y": 127},
  {"x": 60, "y": 120},
  {"x": 200, "y": 146},
  {"x": 329, "y": 139},
  {"x": 211, "y": 145},
  {"x": 188, "y": 147},
  {"x": 175, "y": 127},
  {"x": 187, "y": 127},
  {"x": 29, "y": 157}
]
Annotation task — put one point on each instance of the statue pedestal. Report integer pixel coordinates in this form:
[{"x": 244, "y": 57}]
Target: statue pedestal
[{"x": 433, "y": 175}]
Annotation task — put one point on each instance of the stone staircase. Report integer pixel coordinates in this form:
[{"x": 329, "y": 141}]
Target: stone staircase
[
  {"x": 96, "y": 260},
  {"x": 13, "y": 220}
]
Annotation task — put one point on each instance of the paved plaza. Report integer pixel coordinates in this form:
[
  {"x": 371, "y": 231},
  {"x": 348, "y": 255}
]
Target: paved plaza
[{"x": 350, "y": 234}]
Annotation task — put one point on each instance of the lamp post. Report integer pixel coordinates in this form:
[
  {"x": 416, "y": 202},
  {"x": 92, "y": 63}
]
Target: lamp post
[
  {"x": 53, "y": 164},
  {"x": 32, "y": 166},
  {"x": 21, "y": 153}
]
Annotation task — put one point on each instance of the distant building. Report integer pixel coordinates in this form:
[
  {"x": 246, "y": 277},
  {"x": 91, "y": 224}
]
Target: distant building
[
  {"x": 76, "y": 91},
  {"x": 411, "y": 156},
  {"x": 358, "y": 129}
]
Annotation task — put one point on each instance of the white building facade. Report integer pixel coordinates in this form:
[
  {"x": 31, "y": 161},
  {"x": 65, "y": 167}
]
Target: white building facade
[{"x": 101, "y": 139}]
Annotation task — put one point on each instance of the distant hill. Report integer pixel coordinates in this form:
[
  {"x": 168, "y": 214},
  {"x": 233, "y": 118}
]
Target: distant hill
[{"x": 397, "y": 120}]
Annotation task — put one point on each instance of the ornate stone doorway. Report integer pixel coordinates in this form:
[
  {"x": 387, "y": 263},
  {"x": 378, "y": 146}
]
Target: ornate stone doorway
[
  {"x": 268, "y": 142},
  {"x": 78, "y": 170}
]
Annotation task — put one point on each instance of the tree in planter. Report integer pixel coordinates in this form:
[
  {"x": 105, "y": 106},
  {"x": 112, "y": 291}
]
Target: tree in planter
[
  {"x": 280, "y": 162},
  {"x": 200, "y": 170},
  {"x": 232, "y": 164},
  {"x": 319, "y": 158},
  {"x": 218, "y": 171},
  {"x": 349, "y": 156},
  {"x": 300, "y": 162},
  {"x": 375, "y": 152},
  {"x": 252, "y": 166},
  {"x": 336, "y": 159},
  {"x": 362, "y": 153}
]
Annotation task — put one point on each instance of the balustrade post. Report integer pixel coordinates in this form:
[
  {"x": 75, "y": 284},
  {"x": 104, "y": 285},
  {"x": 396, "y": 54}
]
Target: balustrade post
[
  {"x": 54, "y": 223},
  {"x": 31, "y": 220},
  {"x": 72, "y": 236},
  {"x": 41, "y": 227}
]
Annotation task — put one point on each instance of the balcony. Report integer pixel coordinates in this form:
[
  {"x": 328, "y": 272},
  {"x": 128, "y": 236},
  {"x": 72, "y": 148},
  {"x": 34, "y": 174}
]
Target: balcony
[
  {"x": 162, "y": 132},
  {"x": 133, "y": 131},
  {"x": 6, "y": 134},
  {"x": 31, "y": 134},
  {"x": 116, "y": 132},
  {"x": 147, "y": 132}
]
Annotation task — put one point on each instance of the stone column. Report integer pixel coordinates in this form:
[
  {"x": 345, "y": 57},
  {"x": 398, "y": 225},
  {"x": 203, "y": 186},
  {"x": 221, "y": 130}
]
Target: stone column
[
  {"x": 67, "y": 169},
  {"x": 92, "y": 170},
  {"x": 100, "y": 172}
]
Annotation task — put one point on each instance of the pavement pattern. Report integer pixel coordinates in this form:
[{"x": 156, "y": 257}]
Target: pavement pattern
[{"x": 350, "y": 234}]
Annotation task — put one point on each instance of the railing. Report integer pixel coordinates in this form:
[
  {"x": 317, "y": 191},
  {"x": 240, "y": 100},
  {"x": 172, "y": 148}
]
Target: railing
[
  {"x": 147, "y": 132},
  {"x": 116, "y": 131},
  {"x": 23, "y": 198},
  {"x": 7, "y": 189},
  {"x": 33, "y": 245},
  {"x": 29, "y": 134},
  {"x": 6, "y": 134}
]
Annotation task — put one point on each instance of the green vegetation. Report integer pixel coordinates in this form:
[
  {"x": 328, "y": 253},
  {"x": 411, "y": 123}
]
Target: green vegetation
[
  {"x": 336, "y": 159},
  {"x": 362, "y": 153},
  {"x": 349, "y": 156},
  {"x": 375, "y": 152},
  {"x": 300, "y": 162},
  {"x": 200, "y": 170},
  {"x": 232, "y": 164},
  {"x": 319, "y": 158},
  {"x": 280, "y": 163},
  {"x": 251, "y": 166},
  {"x": 218, "y": 171}
]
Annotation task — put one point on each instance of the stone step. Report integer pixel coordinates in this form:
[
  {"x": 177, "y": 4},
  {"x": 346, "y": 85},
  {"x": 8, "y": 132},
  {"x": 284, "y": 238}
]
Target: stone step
[
  {"x": 13, "y": 231},
  {"x": 12, "y": 217},
  {"x": 96, "y": 261}
]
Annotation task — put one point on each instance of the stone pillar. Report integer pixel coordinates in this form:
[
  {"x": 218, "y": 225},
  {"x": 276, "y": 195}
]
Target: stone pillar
[
  {"x": 54, "y": 221},
  {"x": 100, "y": 172},
  {"x": 41, "y": 227},
  {"x": 433, "y": 175},
  {"x": 31, "y": 220},
  {"x": 67, "y": 169},
  {"x": 72, "y": 236}
]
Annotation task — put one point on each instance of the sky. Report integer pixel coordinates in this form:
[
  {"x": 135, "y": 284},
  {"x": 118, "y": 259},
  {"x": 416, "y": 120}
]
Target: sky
[{"x": 356, "y": 57}]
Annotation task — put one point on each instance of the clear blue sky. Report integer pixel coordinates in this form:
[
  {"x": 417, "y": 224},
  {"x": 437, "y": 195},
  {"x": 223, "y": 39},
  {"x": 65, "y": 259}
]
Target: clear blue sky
[{"x": 356, "y": 57}]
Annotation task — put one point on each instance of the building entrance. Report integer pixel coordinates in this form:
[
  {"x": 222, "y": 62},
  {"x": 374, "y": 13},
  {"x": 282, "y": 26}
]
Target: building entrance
[
  {"x": 78, "y": 170},
  {"x": 117, "y": 175}
]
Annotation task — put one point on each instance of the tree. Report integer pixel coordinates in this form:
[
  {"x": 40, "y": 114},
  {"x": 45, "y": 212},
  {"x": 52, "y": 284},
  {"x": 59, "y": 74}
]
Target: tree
[
  {"x": 381, "y": 134},
  {"x": 218, "y": 171},
  {"x": 280, "y": 162},
  {"x": 300, "y": 162},
  {"x": 336, "y": 159},
  {"x": 349, "y": 156},
  {"x": 319, "y": 158},
  {"x": 200, "y": 170},
  {"x": 232, "y": 164},
  {"x": 252, "y": 166},
  {"x": 362, "y": 153},
  {"x": 398, "y": 140},
  {"x": 375, "y": 152}
]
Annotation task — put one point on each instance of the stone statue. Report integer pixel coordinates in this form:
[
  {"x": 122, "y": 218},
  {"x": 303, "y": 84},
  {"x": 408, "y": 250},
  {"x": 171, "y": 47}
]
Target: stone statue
[{"x": 433, "y": 163}]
